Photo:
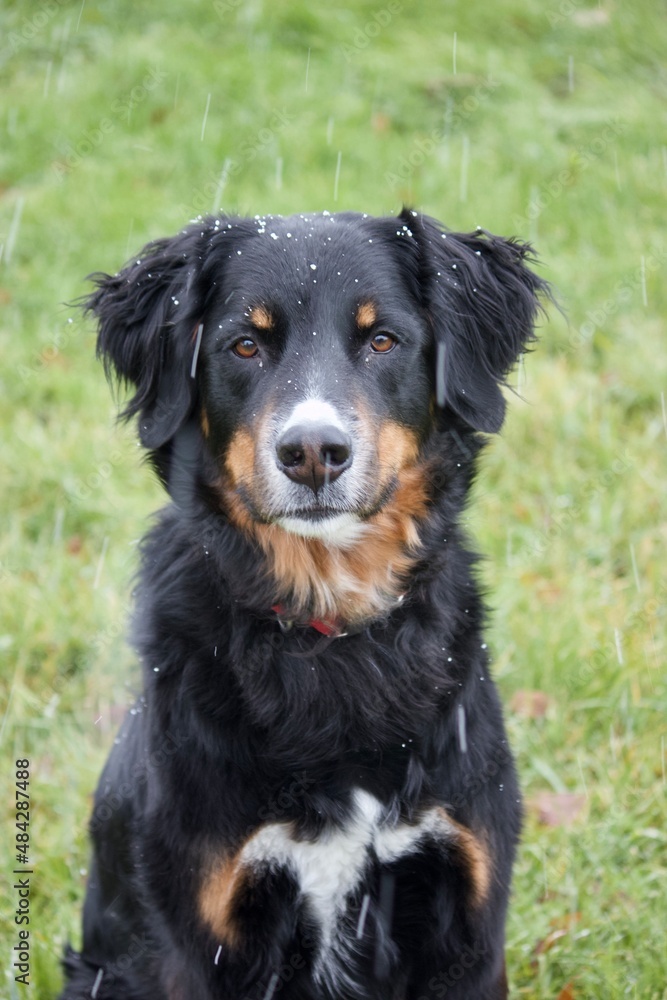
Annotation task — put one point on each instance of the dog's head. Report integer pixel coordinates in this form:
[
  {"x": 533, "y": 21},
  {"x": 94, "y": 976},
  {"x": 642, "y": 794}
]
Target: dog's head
[{"x": 315, "y": 355}]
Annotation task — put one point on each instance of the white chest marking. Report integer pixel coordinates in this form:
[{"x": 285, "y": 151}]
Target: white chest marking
[{"x": 329, "y": 869}]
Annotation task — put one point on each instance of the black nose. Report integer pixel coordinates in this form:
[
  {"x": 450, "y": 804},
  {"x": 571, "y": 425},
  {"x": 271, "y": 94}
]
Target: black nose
[{"x": 314, "y": 454}]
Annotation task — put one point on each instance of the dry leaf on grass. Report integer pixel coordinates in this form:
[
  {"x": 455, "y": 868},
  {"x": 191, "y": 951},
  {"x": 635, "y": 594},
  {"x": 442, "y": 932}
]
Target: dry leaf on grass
[
  {"x": 557, "y": 808},
  {"x": 380, "y": 122},
  {"x": 566, "y": 921},
  {"x": 591, "y": 18},
  {"x": 547, "y": 943},
  {"x": 530, "y": 704},
  {"x": 561, "y": 928}
]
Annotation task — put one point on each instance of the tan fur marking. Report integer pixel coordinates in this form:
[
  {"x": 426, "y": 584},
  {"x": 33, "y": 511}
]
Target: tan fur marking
[
  {"x": 216, "y": 899},
  {"x": 261, "y": 318},
  {"x": 476, "y": 857},
  {"x": 240, "y": 459},
  {"x": 205, "y": 425},
  {"x": 358, "y": 582},
  {"x": 366, "y": 315},
  {"x": 396, "y": 449}
]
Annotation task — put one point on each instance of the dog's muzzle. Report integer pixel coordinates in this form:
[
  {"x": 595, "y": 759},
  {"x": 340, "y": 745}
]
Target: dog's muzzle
[{"x": 313, "y": 454}]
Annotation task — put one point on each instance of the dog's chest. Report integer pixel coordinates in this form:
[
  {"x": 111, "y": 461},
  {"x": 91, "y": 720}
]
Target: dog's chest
[
  {"x": 329, "y": 869},
  {"x": 330, "y": 872}
]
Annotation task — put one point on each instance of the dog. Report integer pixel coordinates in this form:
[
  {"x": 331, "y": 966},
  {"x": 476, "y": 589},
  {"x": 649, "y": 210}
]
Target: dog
[{"x": 313, "y": 797}]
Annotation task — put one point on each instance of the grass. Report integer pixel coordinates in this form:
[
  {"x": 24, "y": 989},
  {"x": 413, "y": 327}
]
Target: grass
[{"x": 540, "y": 119}]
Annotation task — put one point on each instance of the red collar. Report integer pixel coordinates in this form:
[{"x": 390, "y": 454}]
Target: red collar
[{"x": 332, "y": 627}]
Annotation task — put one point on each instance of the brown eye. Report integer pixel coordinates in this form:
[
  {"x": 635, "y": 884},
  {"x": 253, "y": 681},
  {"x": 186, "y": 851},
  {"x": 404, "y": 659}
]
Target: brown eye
[
  {"x": 245, "y": 348},
  {"x": 382, "y": 343}
]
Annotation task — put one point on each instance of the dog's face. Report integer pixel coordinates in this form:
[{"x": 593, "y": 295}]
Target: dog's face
[
  {"x": 315, "y": 356},
  {"x": 315, "y": 371}
]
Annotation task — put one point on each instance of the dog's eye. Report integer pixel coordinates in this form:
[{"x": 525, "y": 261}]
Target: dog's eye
[
  {"x": 382, "y": 343},
  {"x": 245, "y": 348}
]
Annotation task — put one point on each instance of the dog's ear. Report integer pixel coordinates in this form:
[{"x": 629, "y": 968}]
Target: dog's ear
[
  {"x": 482, "y": 300},
  {"x": 148, "y": 318}
]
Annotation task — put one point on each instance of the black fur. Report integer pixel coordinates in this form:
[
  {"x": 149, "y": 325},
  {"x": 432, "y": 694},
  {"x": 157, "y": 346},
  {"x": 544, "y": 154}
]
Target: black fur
[{"x": 241, "y": 725}]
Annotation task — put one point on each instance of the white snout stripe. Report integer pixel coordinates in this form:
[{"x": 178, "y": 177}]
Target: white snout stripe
[{"x": 314, "y": 411}]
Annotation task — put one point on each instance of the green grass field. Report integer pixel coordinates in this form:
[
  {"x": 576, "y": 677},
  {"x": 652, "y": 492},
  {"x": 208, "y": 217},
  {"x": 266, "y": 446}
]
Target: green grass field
[{"x": 120, "y": 122}]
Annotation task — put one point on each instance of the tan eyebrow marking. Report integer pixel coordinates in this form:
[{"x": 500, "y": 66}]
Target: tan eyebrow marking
[
  {"x": 366, "y": 315},
  {"x": 261, "y": 318}
]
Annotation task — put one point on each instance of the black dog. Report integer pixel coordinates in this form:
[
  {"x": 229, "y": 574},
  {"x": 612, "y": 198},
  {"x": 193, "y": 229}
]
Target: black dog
[{"x": 314, "y": 796}]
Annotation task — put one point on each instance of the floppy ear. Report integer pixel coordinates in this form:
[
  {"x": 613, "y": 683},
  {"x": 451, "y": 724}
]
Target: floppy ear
[
  {"x": 148, "y": 317},
  {"x": 483, "y": 301}
]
